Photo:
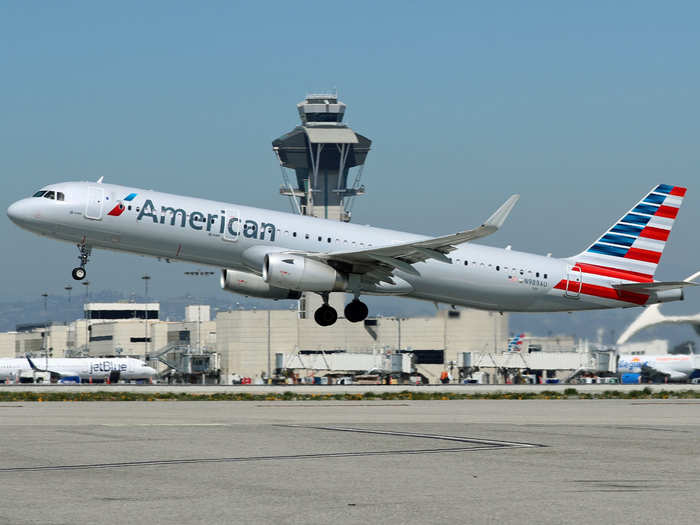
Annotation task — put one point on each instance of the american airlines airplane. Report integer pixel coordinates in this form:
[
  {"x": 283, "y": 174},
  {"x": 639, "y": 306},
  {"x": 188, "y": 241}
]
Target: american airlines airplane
[
  {"x": 276, "y": 255},
  {"x": 83, "y": 368}
]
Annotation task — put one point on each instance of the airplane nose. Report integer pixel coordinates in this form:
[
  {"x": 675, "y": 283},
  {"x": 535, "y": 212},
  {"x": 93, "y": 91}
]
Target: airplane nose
[{"x": 18, "y": 211}]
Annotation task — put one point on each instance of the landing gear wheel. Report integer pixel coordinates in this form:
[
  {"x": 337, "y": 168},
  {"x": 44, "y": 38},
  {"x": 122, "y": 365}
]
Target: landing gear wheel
[
  {"x": 326, "y": 315},
  {"x": 356, "y": 311},
  {"x": 79, "y": 273}
]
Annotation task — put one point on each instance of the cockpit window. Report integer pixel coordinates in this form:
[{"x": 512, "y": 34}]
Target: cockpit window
[
  {"x": 39, "y": 193},
  {"x": 60, "y": 196},
  {"x": 50, "y": 195}
]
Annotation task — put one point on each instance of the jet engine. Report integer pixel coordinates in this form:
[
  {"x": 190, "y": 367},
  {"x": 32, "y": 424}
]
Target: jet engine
[
  {"x": 297, "y": 272},
  {"x": 254, "y": 286}
]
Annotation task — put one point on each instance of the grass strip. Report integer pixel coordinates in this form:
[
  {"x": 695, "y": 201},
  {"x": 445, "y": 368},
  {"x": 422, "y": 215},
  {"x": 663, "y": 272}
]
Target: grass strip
[{"x": 569, "y": 393}]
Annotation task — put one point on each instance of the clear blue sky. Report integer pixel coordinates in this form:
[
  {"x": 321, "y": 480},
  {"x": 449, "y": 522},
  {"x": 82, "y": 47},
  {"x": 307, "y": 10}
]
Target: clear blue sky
[{"x": 579, "y": 108}]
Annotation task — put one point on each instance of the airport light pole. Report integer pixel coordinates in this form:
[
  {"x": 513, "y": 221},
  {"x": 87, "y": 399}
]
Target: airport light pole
[
  {"x": 398, "y": 323},
  {"x": 68, "y": 289},
  {"x": 46, "y": 301},
  {"x": 145, "y": 278},
  {"x": 86, "y": 284}
]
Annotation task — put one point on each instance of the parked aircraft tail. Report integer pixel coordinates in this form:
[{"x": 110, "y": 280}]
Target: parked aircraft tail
[{"x": 631, "y": 248}]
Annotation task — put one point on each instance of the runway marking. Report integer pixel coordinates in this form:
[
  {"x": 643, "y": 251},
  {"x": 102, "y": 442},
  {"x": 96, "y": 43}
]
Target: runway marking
[
  {"x": 476, "y": 445},
  {"x": 121, "y": 425},
  {"x": 666, "y": 403},
  {"x": 268, "y": 405}
]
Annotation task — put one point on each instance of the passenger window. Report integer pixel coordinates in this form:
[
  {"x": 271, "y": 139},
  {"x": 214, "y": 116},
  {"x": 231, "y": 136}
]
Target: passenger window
[
  {"x": 39, "y": 193},
  {"x": 466, "y": 263},
  {"x": 50, "y": 195},
  {"x": 537, "y": 274},
  {"x": 522, "y": 272},
  {"x": 498, "y": 268},
  {"x": 60, "y": 196},
  {"x": 545, "y": 276},
  {"x": 329, "y": 239},
  {"x": 306, "y": 236},
  {"x": 319, "y": 238}
]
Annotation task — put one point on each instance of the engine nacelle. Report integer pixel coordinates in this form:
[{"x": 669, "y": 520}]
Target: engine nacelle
[
  {"x": 252, "y": 285},
  {"x": 297, "y": 272}
]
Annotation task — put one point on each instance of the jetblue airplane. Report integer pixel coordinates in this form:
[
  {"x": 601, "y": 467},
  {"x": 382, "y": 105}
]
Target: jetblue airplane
[
  {"x": 276, "y": 255},
  {"x": 82, "y": 368}
]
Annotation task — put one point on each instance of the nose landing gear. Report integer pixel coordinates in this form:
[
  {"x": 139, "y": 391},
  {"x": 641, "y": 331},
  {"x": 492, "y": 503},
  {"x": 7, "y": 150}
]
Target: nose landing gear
[{"x": 79, "y": 273}]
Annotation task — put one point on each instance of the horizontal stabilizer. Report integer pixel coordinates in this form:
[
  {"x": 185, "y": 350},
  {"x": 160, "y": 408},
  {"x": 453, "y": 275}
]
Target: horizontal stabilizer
[{"x": 652, "y": 287}]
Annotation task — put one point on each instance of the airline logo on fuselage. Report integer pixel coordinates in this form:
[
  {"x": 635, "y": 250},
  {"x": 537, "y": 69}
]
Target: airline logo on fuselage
[
  {"x": 217, "y": 223},
  {"x": 119, "y": 208},
  {"x": 107, "y": 366}
]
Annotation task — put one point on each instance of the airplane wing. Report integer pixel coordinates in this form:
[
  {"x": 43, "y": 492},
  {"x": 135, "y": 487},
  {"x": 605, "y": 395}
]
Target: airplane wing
[
  {"x": 379, "y": 263},
  {"x": 672, "y": 374},
  {"x": 653, "y": 287}
]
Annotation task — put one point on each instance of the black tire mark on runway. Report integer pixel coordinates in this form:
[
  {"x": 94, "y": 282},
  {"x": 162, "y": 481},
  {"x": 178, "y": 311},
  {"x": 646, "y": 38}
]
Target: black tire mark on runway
[
  {"x": 475, "y": 445},
  {"x": 478, "y": 441}
]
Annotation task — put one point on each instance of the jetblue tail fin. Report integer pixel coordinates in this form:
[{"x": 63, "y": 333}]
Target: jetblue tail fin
[{"x": 632, "y": 247}]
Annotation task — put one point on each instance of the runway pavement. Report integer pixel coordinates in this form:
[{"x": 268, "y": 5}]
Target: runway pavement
[{"x": 622, "y": 461}]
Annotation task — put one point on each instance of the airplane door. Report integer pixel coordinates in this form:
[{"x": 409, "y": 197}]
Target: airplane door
[
  {"x": 232, "y": 229},
  {"x": 574, "y": 282},
  {"x": 93, "y": 207}
]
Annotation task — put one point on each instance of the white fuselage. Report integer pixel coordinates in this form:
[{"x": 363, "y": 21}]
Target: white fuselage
[
  {"x": 180, "y": 228},
  {"x": 83, "y": 367},
  {"x": 678, "y": 366}
]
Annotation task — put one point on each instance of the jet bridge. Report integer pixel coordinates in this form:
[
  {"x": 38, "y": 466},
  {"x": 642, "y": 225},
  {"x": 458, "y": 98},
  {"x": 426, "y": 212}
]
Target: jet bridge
[{"x": 352, "y": 363}]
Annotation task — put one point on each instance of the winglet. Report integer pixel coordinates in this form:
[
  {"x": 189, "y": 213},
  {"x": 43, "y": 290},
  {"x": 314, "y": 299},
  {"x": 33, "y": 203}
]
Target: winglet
[{"x": 501, "y": 214}]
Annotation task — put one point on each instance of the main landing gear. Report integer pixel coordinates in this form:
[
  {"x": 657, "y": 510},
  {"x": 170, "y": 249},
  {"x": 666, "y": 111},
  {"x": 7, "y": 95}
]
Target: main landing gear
[
  {"x": 355, "y": 311},
  {"x": 325, "y": 315},
  {"x": 79, "y": 273}
]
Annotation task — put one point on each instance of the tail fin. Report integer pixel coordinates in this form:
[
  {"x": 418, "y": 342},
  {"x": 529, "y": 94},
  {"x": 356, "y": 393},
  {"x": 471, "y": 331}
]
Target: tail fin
[{"x": 632, "y": 247}]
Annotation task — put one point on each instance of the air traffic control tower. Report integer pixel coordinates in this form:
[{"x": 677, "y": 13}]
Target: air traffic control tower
[
  {"x": 316, "y": 158},
  {"x": 321, "y": 152}
]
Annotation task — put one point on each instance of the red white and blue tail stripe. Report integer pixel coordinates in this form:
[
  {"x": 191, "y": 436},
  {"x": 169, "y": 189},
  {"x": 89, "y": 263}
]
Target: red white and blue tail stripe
[{"x": 631, "y": 249}]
